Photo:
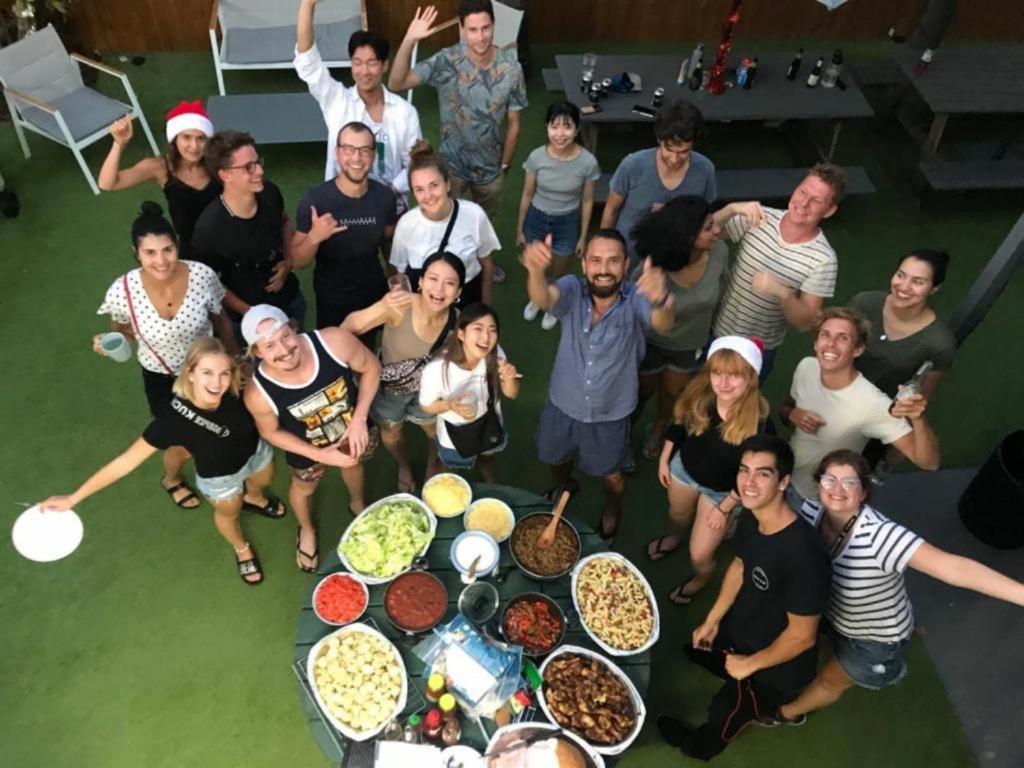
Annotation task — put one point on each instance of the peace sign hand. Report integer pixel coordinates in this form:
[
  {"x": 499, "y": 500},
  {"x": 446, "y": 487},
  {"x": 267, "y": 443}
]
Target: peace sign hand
[{"x": 323, "y": 227}]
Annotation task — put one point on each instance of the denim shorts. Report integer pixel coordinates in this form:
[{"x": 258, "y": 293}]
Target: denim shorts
[
  {"x": 389, "y": 408},
  {"x": 680, "y": 475},
  {"x": 452, "y": 459},
  {"x": 229, "y": 486},
  {"x": 657, "y": 359},
  {"x": 564, "y": 229},
  {"x": 869, "y": 663}
]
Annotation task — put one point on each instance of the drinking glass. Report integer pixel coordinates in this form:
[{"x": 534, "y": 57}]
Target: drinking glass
[{"x": 399, "y": 283}]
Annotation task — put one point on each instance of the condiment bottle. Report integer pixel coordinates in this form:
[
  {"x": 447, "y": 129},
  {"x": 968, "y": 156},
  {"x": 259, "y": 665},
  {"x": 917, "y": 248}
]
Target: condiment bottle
[
  {"x": 451, "y": 733},
  {"x": 432, "y": 724},
  {"x": 392, "y": 731},
  {"x": 435, "y": 686},
  {"x": 447, "y": 706},
  {"x": 815, "y": 76},
  {"x": 411, "y": 732}
]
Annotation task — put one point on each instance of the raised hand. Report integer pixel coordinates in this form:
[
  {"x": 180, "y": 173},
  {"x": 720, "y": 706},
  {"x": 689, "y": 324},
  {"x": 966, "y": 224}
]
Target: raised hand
[
  {"x": 323, "y": 227},
  {"x": 909, "y": 407},
  {"x": 422, "y": 24},
  {"x": 751, "y": 211},
  {"x": 121, "y": 130},
  {"x": 398, "y": 301},
  {"x": 537, "y": 256},
  {"x": 507, "y": 372},
  {"x": 651, "y": 283}
]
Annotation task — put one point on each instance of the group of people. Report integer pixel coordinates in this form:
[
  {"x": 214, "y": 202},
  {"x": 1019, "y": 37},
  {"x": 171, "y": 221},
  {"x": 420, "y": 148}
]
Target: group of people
[{"x": 677, "y": 298}]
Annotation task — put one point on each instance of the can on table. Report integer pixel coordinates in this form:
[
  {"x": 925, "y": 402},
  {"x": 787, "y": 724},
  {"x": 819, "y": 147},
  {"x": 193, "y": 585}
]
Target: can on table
[
  {"x": 659, "y": 98},
  {"x": 585, "y": 80},
  {"x": 595, "y": 93},
  {"x": 606, "y": 87}
]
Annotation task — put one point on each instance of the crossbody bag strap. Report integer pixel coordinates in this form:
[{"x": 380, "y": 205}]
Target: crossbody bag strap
[
  {"x": 138, "y": 330},
  {"x": 451, "y": 225},
  {"x": 442, "y": 337}
]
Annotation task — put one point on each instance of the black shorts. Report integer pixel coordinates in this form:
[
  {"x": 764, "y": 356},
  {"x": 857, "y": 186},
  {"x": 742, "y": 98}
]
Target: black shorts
[
  {"x": 657, "y": 359},
  {"x": 158, "y": 390}
]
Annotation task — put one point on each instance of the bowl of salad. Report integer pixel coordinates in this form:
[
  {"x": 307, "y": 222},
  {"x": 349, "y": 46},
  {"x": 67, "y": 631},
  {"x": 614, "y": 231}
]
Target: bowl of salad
[{"x": 386, "y": 538}]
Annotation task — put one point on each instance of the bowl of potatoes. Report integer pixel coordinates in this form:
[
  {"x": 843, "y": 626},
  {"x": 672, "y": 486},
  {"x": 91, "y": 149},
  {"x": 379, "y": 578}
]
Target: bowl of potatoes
[{"x": 358, "y": 679}]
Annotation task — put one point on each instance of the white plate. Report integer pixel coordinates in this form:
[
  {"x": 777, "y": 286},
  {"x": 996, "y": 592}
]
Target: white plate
[
  {"x": 506, "y": 736},
  {"x": 460, "y": 753},
  {"x": 46, "y": 536}
]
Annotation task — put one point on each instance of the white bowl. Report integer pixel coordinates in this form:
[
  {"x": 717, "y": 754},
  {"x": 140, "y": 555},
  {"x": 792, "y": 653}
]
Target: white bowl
[
  {"x": 505, "y": 507},
  {"x": 346, "y": 730},
  {"x": 366, "y": 598},
  {"x": 460, "y": 480},
  {"x": 386, "y": 500},
  {"x": 506, "y": 736}
]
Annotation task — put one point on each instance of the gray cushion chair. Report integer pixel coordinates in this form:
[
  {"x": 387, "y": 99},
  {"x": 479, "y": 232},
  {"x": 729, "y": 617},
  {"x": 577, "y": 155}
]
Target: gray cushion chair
[
  {"x": 260, "y": 34},
  {"x": 45, "y": 94}
]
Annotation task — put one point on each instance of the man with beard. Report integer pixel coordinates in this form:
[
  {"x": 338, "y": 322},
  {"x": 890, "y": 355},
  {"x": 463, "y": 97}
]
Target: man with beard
[
  {"x": 594, "y": 381},
  {"x": 304, "y": 399},
  {"x": 393, "y": 120},
  {"x": 646, "y": 180},
  {"x": 341, "y": 224}
]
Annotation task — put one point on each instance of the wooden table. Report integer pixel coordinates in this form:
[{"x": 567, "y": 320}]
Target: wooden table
[
  {"x": 771, "y": 99},
  {"x": 310, "y": 629}
]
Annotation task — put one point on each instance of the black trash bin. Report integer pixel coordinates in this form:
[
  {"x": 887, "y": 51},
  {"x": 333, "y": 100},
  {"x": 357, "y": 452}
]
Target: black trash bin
[{"x": 992, "y": 506}]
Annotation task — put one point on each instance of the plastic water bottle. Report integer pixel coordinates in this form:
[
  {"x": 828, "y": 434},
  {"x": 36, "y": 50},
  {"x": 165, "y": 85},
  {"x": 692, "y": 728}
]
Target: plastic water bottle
[{"x": 831, "y": 74}]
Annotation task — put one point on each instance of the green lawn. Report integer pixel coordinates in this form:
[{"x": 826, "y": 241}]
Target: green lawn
[{"x": 144, "y": 649}]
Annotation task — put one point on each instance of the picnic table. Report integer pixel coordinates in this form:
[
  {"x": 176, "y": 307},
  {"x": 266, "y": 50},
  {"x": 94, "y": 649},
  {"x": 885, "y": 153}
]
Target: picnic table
[{"x": 513, "y": 582}]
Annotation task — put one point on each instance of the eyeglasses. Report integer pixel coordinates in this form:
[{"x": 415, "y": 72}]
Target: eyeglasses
[
  {"x": 848, "y": 483},
  {"x": 249, "y": 167},
  {"x": 348, "y": 150}
]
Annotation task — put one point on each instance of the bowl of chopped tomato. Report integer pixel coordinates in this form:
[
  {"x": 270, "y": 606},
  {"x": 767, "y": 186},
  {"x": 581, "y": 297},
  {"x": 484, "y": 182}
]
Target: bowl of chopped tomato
[
  {"x": 535, "y": 622},
  {"x": 340, "y": 599}
]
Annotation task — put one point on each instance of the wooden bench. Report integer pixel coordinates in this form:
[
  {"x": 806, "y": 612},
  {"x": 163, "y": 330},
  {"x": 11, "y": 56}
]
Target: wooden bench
[
  {"x": 553, "y": 80},
  {"x": 762, "y": 183},
  {"x": 948, "y": 176}
]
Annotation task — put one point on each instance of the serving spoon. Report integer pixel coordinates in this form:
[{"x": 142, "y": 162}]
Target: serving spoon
[{"x": 547, "y": 538}]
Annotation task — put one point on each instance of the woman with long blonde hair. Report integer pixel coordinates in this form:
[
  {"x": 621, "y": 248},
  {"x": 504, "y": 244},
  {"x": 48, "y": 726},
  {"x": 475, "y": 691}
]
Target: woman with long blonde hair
[
  {"x": 720, "y": 407},
  {"x": 233, "y": 464}
]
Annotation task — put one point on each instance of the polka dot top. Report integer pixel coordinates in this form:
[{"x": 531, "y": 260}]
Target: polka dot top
[{"x": 170, "y": 338}]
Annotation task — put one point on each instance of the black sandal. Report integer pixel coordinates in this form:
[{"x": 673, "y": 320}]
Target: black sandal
[
  {"x": 660, "y": 551},
  {"x": 313, "y": 558},
  {"x": 607, "y": 535},
  {"x": 250, "y": 567},
  {"x": 554, "y": 493},
  {"x": 183, "y": 501},
  {"x": 267, "y": 510},
  {"x": 678, "y": 597}
]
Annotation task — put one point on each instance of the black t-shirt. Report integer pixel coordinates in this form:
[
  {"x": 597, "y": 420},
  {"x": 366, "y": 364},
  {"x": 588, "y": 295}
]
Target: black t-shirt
[
  {"x": 221, "y": 441},
  {"x": 348, "y": 268},
  {"x": 786, "y": 572},
  {"x": 244, "y": 251},
  {"x": 708, "y": 459}
]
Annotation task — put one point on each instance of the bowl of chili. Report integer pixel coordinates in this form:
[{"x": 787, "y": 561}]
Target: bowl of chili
[
  {"x": 415, "y": 601},
  {"x": 340, "y": 599},
  {"x": 535, "y": 622},
  {"x": 549, "y": 563}
]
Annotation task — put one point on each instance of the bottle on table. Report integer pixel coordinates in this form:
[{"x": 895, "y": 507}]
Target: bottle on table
[
  {"x": 748, "y": 82},
  {"x": 658, "y": 98},
  {"x": 697, "y": 55},
  {"x": 411, "y": 733},
  {"x": 432, "y": 725},
  {"x": 831, "y": 74},
  {"x": 924, "y": 62},
  {"x": 697, "y": 75},
  {"x": 914, "y": 386},
  {"x": 684, "y": 70},
  {"x": 794, "y": 65},
  {"x": 435, "y": 686},
  {"x": 392, "y": 731},
  {"x": 447, "y": 706},
  {"x": 451, "y": 733},
  {"x": 815, "y": 77}
]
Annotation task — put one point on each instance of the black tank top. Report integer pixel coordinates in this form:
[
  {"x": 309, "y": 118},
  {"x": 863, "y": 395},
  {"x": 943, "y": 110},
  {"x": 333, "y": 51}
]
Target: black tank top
[
  {"x": 319, "y": 410},
  {"x": 184, "y": 204}
]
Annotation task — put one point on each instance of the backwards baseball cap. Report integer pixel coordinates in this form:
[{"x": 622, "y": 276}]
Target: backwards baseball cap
[
  {"x": 188, "y": 116},
  {"x": 256, "y": 315},
  {"x": 751, "y": 350}
]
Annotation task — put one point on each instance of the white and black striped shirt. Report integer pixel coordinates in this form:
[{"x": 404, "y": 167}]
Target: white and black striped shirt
[
  {"x": 867, "y": 597},
  {"x": 810, "y": 267}
]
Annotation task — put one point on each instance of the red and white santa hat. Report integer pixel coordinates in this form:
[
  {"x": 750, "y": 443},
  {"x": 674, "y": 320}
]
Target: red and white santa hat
[
  {"x": 750, "y": 349},
  {"x": 188, "y": 116}
]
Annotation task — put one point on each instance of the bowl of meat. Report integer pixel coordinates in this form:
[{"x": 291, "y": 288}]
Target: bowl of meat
[{"x": 547, "y": 563}]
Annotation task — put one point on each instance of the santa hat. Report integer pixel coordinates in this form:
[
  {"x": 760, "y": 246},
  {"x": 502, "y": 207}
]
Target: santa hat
[
  {"x": 188, "y": 116},
  {"x": 751, "y": 350}
]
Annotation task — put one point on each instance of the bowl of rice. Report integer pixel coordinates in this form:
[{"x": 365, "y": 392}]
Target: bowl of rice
[
  {"x": 447, "y": 495},
  {"x": 491, "y": 516}
]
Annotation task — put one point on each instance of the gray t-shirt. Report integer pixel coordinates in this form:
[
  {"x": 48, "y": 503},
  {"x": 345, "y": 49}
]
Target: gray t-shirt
[
  {"x": 560, "y": 182},
  {"x": 694, "y": 306},
  {"x": 637, "y": 180},
  {"x": 887, "y": 363}
]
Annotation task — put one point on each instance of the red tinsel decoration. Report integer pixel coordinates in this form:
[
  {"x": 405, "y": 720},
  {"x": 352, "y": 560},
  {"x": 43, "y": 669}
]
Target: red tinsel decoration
[{"x": 716, "y": 75}]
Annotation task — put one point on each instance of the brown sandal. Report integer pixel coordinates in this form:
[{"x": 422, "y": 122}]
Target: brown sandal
[{"x": 314, "y": 558}]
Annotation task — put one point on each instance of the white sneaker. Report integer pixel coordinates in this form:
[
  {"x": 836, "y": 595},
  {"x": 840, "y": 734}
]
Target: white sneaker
[
  {"x": 530, "y": 312},
  {"x": 548, "y": 322}
]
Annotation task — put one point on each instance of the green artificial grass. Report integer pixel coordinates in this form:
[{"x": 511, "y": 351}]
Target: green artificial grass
[{"x": 144, "y": 649}]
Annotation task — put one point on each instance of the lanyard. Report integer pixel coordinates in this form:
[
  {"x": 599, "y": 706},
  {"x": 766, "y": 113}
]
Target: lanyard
[{"x": 837, "y": 544}]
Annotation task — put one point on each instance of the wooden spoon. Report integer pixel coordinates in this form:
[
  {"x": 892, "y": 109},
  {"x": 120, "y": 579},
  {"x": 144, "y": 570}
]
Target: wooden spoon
[{"x": 547, "y": 538}]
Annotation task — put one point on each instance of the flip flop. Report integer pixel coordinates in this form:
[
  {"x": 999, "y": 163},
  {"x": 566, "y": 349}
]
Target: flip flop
[
  {"x": 607, "y": 535},
  {"x": 553, "y": 493},
  {"x": 313, "y": 558},
  {"x": 659, "y": 551},
  {"x": 267, "y": 510},
  {"x": 678, "y": 597},
  {"x": 249, "y": 567},
  {"x": 183, "y": 501}
]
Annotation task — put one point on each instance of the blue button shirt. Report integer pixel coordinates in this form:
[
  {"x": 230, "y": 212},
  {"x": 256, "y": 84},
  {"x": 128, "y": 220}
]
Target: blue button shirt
[{"x": 595, "y": 372}]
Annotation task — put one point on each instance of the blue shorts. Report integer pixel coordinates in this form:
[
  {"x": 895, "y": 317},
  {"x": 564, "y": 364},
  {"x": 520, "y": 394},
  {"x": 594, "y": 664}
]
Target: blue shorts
[
  {"x": 869, "y": 663},
  {"x": 602, "y": 446},
  {"x": 388, "y": 409},
  {"x": 452, "y": 459},
  {"x": 564, "y": 229},
  {"x": 229, "y": 486},
  {"x": 680, "y": 475}
]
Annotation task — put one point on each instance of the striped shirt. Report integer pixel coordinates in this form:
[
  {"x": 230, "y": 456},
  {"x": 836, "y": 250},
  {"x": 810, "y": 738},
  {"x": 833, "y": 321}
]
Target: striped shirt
[
  {"x": 867, "y": 598},
  {"x": 810, "y": 267}
]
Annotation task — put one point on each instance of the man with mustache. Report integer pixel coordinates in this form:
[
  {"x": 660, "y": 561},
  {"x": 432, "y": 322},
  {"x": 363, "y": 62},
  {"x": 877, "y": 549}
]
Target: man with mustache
[
  {"x": 342, "y": 223},
  {"x": 304, "y": 399},
  {"x": 594, "y": 382}
]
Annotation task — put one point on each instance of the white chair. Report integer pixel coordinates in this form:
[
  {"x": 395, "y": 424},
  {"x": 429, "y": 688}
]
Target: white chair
[
  {"x": 260, "y": 34},
  {"x": 44, "y": 92},
  {"x": 506, "y": 31}
]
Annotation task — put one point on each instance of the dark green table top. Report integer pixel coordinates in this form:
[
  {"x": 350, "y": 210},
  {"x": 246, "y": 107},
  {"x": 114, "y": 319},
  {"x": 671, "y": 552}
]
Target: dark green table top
[{"x": 512, "y": 582}]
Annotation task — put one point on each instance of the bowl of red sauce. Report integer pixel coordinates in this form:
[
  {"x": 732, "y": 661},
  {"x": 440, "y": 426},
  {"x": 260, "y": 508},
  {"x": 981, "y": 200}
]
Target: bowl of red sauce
[
  {"x": 535, "y": 622},
  {"x": 340, "y": 599},
  {"x": 415, "y": 601}
]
